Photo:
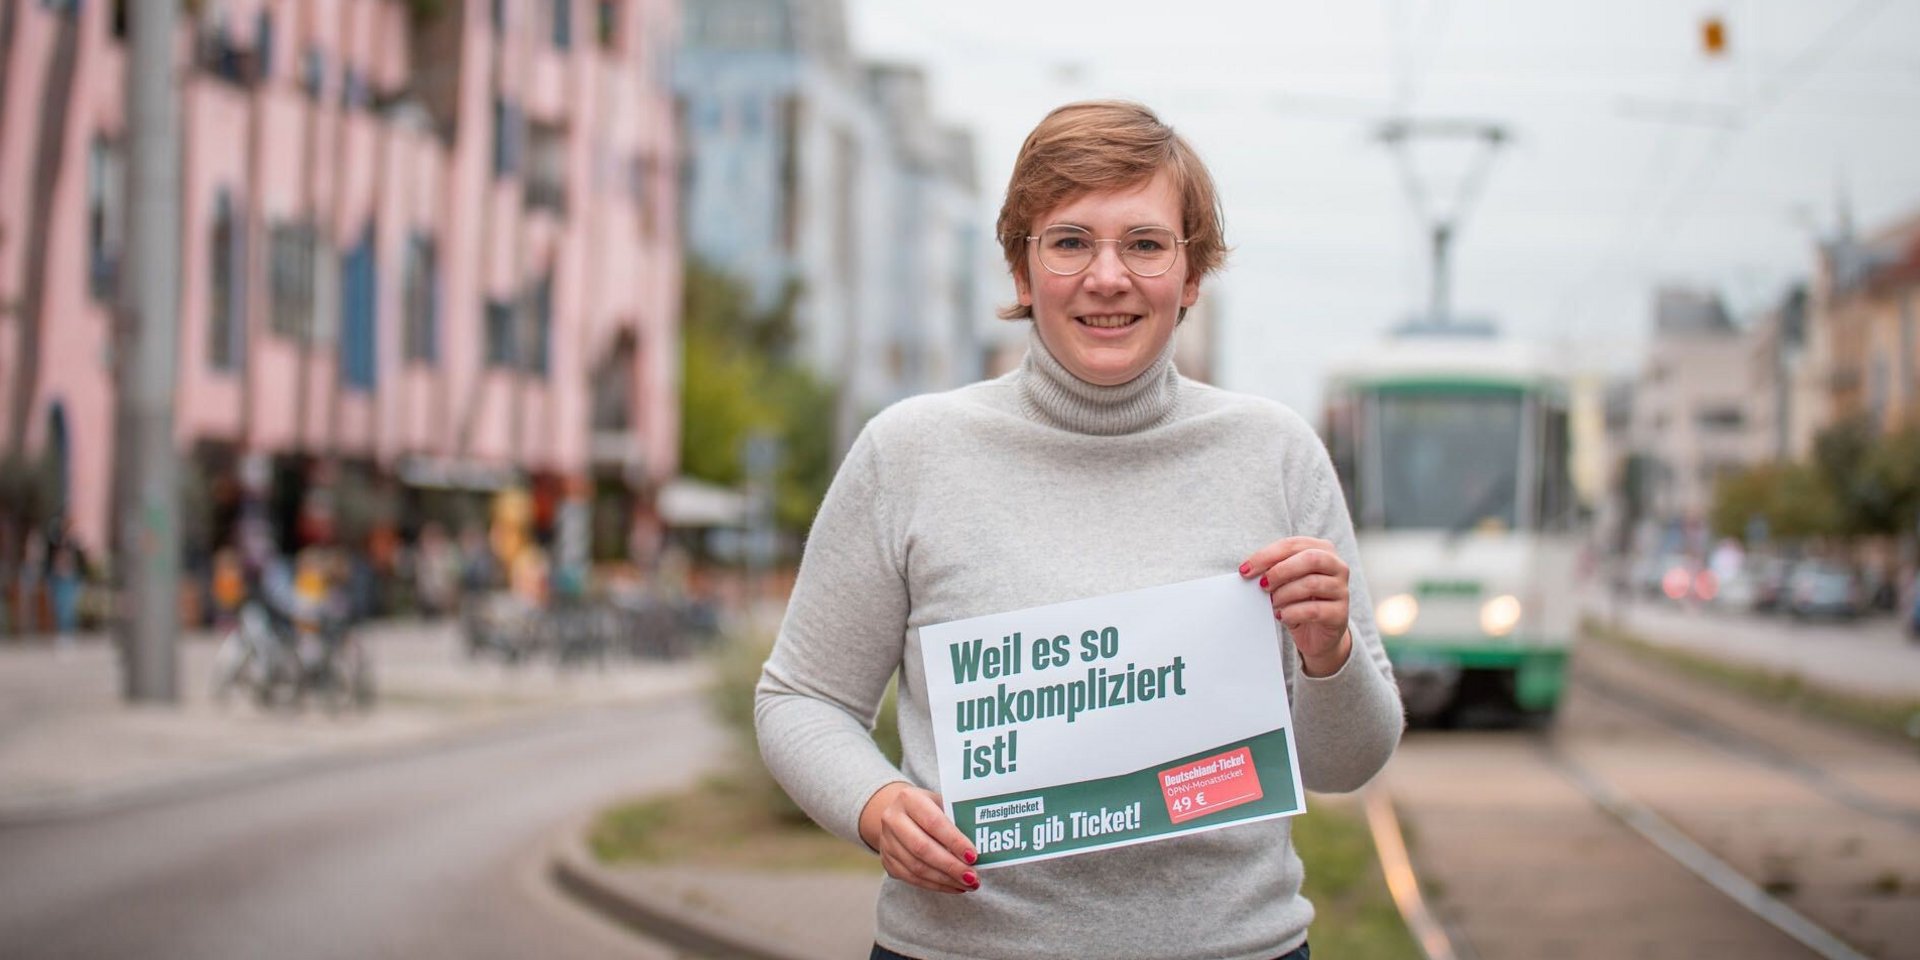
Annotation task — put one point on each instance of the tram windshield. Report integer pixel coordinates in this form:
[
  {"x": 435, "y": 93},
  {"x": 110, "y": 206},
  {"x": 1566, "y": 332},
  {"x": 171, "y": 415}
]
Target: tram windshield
[{"x": 1449, "y": 460}]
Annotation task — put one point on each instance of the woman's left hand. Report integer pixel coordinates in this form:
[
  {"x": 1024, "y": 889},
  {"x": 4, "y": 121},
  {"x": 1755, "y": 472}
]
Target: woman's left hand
[{"x": 1307, "y": 582}]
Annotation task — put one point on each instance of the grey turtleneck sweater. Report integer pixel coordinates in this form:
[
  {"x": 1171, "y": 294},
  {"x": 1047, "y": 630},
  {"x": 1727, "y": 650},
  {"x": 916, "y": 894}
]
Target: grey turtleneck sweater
[{"x": 1036, "y": 488}]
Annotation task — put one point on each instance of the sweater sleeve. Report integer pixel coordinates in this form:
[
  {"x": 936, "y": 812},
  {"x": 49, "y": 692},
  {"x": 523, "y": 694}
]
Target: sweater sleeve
[
  {"x": 1346, "y": 725},
  {"x": 839, "y": 644}
]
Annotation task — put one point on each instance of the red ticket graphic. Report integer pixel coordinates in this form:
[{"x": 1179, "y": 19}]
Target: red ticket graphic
[{"x": 1216, "y": 783}]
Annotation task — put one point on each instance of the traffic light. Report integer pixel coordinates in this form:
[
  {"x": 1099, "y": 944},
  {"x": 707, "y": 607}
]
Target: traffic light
[{"x": 1713, "y": 36}]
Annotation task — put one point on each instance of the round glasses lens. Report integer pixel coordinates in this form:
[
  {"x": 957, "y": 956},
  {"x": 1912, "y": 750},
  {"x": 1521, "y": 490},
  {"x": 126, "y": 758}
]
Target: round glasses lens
[
  {"x": 1065, "y": 250},
  {"x": 1148, "y": 251}
]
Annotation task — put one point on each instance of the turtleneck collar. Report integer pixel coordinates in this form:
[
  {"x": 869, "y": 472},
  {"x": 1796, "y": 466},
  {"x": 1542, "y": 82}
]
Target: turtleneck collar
[{"x": 1051, "y": 394}]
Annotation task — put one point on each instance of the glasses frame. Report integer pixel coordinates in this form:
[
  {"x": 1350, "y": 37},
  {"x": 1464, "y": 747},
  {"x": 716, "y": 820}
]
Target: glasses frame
[{"x": 1179, "y": 243}]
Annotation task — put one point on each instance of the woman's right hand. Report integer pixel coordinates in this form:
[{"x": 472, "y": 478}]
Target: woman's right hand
[{"x": 916, "y": 841}]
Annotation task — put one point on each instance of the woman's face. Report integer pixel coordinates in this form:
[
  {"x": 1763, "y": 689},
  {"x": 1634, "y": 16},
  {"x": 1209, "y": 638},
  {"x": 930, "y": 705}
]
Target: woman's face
[{"x": 1106, "y": 324}]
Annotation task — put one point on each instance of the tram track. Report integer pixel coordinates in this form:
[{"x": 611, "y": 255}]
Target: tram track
[{"x": 1795, "y": 839}]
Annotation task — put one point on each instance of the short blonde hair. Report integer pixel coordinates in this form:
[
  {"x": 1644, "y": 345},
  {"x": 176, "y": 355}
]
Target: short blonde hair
[{"x": 1096, "y": 145}]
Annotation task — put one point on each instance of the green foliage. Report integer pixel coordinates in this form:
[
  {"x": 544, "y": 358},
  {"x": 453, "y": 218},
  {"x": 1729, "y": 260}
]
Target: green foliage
[
  {"x": 736, "y": 673},
  {"x": 29, "y": 489},
  {"x": 1859, "y": 483},
  {"x": 740, "y": 377},
  {"x": 1796, "y": 501}
]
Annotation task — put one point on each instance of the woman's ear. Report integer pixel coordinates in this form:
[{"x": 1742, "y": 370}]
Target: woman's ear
[{"x": 1021, "y": 286}]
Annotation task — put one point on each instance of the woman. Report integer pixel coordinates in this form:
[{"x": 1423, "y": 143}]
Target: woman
[{"x": 1093, "y": 468}]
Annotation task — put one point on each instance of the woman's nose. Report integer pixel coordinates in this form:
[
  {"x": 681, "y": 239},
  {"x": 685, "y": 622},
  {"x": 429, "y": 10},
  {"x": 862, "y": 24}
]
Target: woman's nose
[{"x": 1107, "y": 271}]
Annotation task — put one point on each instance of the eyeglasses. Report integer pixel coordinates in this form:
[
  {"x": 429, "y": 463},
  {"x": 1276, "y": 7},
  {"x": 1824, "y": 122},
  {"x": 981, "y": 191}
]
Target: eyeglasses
[{"x": 1147, "y": 251}]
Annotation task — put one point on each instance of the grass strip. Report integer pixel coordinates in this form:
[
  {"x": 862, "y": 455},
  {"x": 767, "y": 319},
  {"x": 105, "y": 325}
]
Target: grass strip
[{"x": 1895, "y": 718}]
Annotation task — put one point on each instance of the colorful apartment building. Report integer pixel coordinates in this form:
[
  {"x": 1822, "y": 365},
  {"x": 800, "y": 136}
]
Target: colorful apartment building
[{"x": 429, "y": 251}]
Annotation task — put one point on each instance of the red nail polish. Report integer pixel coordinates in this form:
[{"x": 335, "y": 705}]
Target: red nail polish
[
  {"x": 970, "y": 858},
  {"x": 1245, "y": 568},
  {"x": 1263, "y": 582},
  {"x": 971, "y": 880}
]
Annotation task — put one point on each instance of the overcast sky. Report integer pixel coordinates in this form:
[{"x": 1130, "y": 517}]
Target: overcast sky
[{"x": 1635, "y": 158}]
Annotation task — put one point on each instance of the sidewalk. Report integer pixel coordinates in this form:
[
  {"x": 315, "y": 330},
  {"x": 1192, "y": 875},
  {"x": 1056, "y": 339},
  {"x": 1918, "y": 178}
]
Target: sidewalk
[
  {"x": 69, "y": 743},
  {"x": 1870, "y": 657}
]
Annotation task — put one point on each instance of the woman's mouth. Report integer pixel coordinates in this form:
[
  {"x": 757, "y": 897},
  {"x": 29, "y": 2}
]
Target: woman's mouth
[{"x": 1108, "y": 321}]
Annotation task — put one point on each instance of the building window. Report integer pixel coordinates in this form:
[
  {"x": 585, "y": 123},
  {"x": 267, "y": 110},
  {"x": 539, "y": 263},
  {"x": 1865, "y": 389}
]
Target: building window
[
  {"x": 263, "y": 43},
  {"x": 547, "y": 166},
  {"x": 314, "y": 77},
  {"x": 607, "y": 26},
  {"x": 226, "y": 290},
  {"x": 291, "y": 282},
  {"x": 539, "y": 329},
  {"x": 499, "y": 333},
  {"x": 613, "y": 387},
  {"x": 639, "y": 184},
  {"x": 562, "y": 17},
  {"x": 790, "y": 174},
  {"x": 106, "y": 217},
  {"x": 1910, "y": 349},
  {"x": 506, "y": 138},
  {"x": 358, "y": 280},
  {"x": 353, "y": 89},
  {"x": 422, "y": 304},
  {"x": 1720, "y": 419}
]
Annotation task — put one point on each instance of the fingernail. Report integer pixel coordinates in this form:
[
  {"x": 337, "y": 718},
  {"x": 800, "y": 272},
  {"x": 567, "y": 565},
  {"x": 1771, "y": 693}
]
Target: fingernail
[
  {"x": 970, "y": 879},
  {"x": 970, "y": 858},
  {"x": 1245, "y": 569},
  {"x": 1263, "y": 581}
]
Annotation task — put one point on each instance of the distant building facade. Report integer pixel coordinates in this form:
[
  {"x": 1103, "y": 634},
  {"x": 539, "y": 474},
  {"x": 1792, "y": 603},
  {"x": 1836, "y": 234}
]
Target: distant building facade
[
  {"x": 1690, "y": 406},
  {"x": 819, "y": 177},
  {"x": 428, "y": 251},
  {"x": 1866, "y": 302}
]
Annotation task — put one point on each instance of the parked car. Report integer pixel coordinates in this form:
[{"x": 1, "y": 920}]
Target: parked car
[
  {"x": 1769, "y": 576},
  {"x": 1823, "y": 590}
]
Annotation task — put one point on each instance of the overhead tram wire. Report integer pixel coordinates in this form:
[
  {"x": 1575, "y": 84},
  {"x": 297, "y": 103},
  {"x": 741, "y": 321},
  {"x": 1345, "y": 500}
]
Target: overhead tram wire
[{"x": 1640, "y": 232}]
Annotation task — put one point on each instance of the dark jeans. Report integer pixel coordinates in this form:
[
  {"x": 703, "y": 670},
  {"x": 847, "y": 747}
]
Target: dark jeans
[{"x": 882, "y": 953}]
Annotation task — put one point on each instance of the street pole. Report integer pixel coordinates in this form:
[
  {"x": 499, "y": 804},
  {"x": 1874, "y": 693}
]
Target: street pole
[{"x": 149, "y": 521}]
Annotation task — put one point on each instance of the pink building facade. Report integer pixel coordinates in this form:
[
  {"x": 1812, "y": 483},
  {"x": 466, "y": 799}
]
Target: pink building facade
[{"x": 430, "y": 247}]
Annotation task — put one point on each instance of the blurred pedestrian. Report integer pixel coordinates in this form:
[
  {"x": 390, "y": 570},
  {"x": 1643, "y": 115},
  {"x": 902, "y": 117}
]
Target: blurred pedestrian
[
  {"x": 29, "y": 584},
  {"x": 436, "y": 570},
  {"x": 66, "y": 574},
  {"x": 1092, "y": 468},
  {"x": 229, "y": 586}
]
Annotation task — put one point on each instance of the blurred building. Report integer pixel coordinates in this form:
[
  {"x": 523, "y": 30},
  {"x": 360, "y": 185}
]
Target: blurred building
[
  {"x": 1690, "y": 420},
  {"x": 429, "y": 250},
  {"x": 1787, "y": 405},
  {"x": 1866, "y": 306},
  {"x": 816, "y": 176}
]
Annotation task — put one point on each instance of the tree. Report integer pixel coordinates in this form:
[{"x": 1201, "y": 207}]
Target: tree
[
  {"x": 739, "y": 376},
  {"x": 1868, "y": 498}
]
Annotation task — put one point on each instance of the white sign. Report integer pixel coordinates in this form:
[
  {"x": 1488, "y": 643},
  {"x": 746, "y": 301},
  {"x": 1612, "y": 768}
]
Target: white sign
[{"x": 1112, "y": 720}]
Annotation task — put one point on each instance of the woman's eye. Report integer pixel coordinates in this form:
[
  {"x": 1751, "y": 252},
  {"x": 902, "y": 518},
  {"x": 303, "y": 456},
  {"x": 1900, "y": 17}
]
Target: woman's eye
[
  {"x": 1069, "y": 243},
  {"x": 1146, "y": 245}
]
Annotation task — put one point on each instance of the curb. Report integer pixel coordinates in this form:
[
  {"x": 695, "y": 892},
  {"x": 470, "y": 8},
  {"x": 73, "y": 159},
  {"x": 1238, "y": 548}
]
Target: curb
[{"x": 652, "y": 914}]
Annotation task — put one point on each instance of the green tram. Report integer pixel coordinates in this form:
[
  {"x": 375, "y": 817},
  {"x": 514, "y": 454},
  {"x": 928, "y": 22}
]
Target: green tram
[{"x": 1453, "y": 452}]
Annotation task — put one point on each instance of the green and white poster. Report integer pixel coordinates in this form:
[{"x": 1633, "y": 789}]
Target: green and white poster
[{"x": 1112, "y": 720}]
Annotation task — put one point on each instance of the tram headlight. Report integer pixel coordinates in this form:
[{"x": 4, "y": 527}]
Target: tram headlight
[
  {"x": 1500, "y": 615},
  {"x": 1395, "y": 614}
]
